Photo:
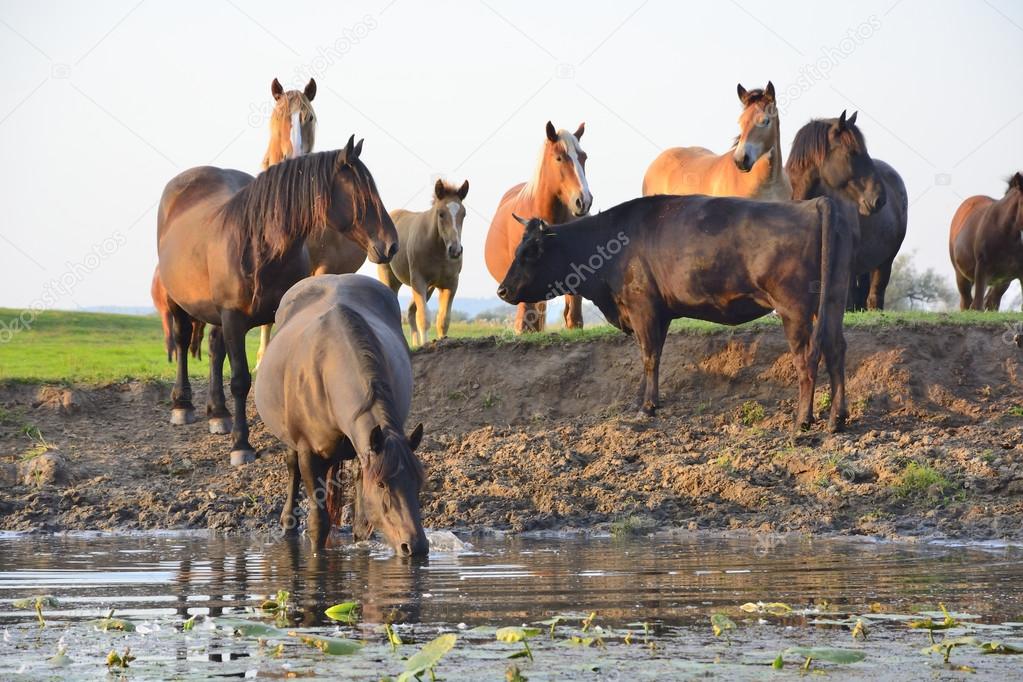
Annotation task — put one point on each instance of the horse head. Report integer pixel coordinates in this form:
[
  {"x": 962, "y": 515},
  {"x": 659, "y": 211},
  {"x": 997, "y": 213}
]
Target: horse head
[
  {"x": 758, "y": 126},
  {"x": 450, "y": 214}
]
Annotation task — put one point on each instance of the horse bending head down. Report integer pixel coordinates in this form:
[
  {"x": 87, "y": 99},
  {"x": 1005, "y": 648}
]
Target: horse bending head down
[
  {"x": 564, "y": 166},
  {"x": 292, "y": 123},
  {"x": 392, "y": 477},
  {"x": 758, "y": 126},
  {"x": 447, "y": 200},
  {"x": 833, "y": 152}
]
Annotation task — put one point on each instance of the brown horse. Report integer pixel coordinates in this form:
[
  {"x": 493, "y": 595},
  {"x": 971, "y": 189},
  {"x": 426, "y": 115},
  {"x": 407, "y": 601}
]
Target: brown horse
[
  {"x": 985, "y": 243},
  {"x": 292, "y": 132},
  {"x": 557, "y": 193},
  {"x": 231, "y": 245},
  {"x": 163, "y": 308},
  {"x": 722, "y": 259},
  {"x": 751, "y": 168},
  {"x": 336, "y": 385},
  {"x": 429, "y": 257},
  {"x": 829, "y": 158}
]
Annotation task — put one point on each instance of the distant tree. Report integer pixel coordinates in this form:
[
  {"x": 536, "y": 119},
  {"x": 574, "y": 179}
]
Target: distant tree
[
  {"x": 495, "y": 315},
  {"x": 910, "y": 289},
  {"x": 458, "y": 316}
]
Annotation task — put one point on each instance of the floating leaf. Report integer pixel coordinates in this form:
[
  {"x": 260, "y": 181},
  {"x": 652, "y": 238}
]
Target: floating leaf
[
  {"x": 38, "y": 603},
  {"x": 346, "y": 612},
  {"x": 721, "y": 623},
  {"x": 119, "y": 624},
  {"x": 427, "y": 657},
  {"x": 576, "y": 640},
  {"x": 1001, "y": 648},
  {"x": 330, "y": 645},
  {"x": 841, "y": 656},
  {"x": 513, "y": 634},
  {"x": 775, "y": 608},
  {"x": 946, "y": 646},
  {"x": 249, "y": 628},
  {"x": 60, "y": 659},
  {"x": 552, "y": 623}
]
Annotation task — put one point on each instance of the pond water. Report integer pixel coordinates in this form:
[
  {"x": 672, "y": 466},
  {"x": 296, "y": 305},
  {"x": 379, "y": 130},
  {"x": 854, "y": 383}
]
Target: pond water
[{"x": 674, "y": 584}]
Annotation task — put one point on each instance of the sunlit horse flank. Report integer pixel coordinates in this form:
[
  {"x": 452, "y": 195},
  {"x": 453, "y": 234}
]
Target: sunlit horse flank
[
  {"x": 557, "y": 193},
  {"x": 336, "y": 385},
  {"x": 985, "y": 243},
  {"x": 752, "y": 168},
  {"x": 429, "y": 257},
  {"x": 230, "y": 245},
  {"x": 292, "y": 133}
]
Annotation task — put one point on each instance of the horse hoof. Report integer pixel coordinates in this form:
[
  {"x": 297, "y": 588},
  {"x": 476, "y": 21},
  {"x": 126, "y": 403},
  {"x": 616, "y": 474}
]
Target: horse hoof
[
  {"x": 182, "y": 415},
  {"x": 221, "y": 425},
  {"x": 241, "y": 457}
]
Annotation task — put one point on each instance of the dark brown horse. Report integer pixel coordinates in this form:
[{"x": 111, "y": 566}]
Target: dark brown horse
[
  {"x": 727, "y": 260},
  {"x": 336, "y": 385},
  {"x": 231, "y": 245},
  {"x": 829, "y": 158},
  {"x": 986, "y": 246}
]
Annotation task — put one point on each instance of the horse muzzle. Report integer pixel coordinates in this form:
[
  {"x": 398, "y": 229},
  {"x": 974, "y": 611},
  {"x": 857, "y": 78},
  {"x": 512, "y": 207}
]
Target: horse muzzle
[{"x": 455, "y": 252}]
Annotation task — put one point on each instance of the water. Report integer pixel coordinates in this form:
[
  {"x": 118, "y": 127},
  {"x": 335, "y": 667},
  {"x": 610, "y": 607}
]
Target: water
[{"x": 158, "y": 580}]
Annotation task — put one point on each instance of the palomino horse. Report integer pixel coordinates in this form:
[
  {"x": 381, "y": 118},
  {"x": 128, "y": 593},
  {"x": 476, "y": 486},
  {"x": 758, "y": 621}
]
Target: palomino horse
[
  {"x": 429, "y": 257},
  {"x": 751, "y": 168},
  {"x": 163, "y": 308},
  {"x": 557, "y": 193},
  {"x": 829, "y": 157},
  {"x": 721, "y": 259},
  {"x": 986, "y": 246},
  {"x": 231, "y": 245},
  {"x": 292, "y": 132},
  {"x": 335, "y": 385}
]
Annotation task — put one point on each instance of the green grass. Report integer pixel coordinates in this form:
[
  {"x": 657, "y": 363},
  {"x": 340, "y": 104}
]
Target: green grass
[
  {"x": 95, "y": 347},
  {"x": 922, "y": 481}
]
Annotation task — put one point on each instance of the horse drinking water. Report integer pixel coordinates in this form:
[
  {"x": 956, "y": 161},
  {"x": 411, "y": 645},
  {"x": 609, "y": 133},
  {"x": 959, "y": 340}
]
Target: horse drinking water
[
  {"x": 557, "y": 193},
  {"x": 231, "y": 245},
  {"x": 336, "y": 385}
]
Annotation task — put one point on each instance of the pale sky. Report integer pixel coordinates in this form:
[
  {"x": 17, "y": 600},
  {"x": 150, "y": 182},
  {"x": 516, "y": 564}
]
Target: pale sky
[{"x": 103, "y": 102}]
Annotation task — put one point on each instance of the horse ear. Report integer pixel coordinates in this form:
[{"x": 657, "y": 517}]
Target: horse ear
[
  {"x": 376, "y": 439},
  {"x": 463, "y": 191},
  {"x": 523, "y": 221},
  {"x": 552, "y": 134},
  {"x": 741, "y": 91},
  {"x": 438, "y": 189},
  {"x": 416, "y": 437},
  {"x": 347, "y": 154},
  {"x": 358, "y": 149},
  {"x": 769, "y": 91},
  {"x": 1016, "y": 181},
  {"x": 580, "y": 130},
  {"x": 841, "y": 121},
  {"x": 852, "y": 119},
  {"x": 276, "y": 89},
  {"x": 310, "y": 89}
]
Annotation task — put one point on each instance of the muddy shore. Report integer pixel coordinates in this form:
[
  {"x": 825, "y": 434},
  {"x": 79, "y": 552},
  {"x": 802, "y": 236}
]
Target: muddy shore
[{"x": 525, "y": 436}]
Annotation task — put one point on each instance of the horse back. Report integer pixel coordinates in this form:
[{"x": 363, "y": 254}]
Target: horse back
[{"x": 197, "y": 186}]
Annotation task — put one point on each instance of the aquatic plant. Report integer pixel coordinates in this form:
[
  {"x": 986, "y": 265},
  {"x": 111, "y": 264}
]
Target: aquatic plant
[
  {"x": 37, "y": 603},
  {"x": 840, "y": 656},
  {"x": 721, "y": 625},
  {"x": 514, "y": 634},
  {"x": 345, "y": 612},
  {"x": 116, "y": 660},
  {"x": 426, "y": 659}
]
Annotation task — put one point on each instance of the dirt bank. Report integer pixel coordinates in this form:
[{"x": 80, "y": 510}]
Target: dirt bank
[{"x": 529, "y": 436}]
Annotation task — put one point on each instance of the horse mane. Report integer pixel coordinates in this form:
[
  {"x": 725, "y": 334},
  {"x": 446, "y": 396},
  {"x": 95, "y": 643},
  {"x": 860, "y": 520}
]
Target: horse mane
[
  {"x": 449, "y": 190},
  {"x": 287, "y": 201},
  {"x": 383, "y": 465},
  {"x": 811, "y": 144},
  {"x": 565, "y": 138},
  {"x": 1015, "y": 182}
]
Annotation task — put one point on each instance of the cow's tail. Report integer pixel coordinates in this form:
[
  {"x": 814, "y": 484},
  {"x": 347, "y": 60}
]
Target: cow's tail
[
  {"x": 335, "y": 501},
  {"x": 829, "y": 252}
]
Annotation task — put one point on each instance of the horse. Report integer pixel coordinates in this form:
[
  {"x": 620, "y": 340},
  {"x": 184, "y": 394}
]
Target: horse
[
  {"x": 336, "y": 385},
  {"x": 163, "y": 309},
  {"x": 429, "y": 257},
  {"x": 292, "y": 132},
  {"x": 557, "y": 193},
  {"x": 985, "y": 243},
  {"x": 752, "y": 168},
  {"x": 829, "y": 157},
  {"x": 231, "y": 245},
  {"x": 723, "y": 259}
]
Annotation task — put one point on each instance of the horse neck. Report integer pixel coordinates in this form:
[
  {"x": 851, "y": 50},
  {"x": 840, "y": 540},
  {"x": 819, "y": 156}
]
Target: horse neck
[
  {"x": 545, "y": 202},
  {"x": 777, "y": 167}
]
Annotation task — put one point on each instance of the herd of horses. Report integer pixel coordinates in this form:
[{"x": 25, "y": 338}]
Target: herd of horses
[{"x": 727, "y": 238}]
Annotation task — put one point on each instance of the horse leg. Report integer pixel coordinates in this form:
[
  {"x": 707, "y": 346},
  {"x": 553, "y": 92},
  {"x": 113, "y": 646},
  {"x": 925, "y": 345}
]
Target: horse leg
[
  {"x": 573, "y": 311},
  {"x": 182, "y": 409},
  {"x": 797, "y": 332},
  {"x": 979, "y": 286},
  {"x": 264, "y": 339},
  {"x": 444, "y": 310},
  {"x": 314, "y": 474},
  {"x": 834, "y": 360},
  {"x": 965, "y": 287},
  {"x": 419, "y": 297},
  {"x": 216, "y": 403},
  {"x": 993, "y": 300},
  {"x": 234, "y": 329},
  {"x": 650, "y": 335},
  {"x": 289, "y": 522},
  {"x": 528, "y": 318},
  {"x": 878, "y": 285}
]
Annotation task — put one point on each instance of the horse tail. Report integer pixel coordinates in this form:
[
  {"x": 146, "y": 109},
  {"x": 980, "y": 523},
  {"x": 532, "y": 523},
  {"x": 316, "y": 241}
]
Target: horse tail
[
  {"x": 167, "y": 320},
  {"x": 828, "y": 268},
  {"x": 335, "y": 500},
  {"x": 195, "y": 344}
]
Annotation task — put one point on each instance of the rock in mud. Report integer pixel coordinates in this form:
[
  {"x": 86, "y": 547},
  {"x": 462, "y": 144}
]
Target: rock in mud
[{"x": 49, "y": 468}]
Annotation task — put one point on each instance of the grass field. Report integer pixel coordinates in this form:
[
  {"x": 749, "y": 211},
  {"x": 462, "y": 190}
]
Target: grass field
[{"x": 77, "y": 347}]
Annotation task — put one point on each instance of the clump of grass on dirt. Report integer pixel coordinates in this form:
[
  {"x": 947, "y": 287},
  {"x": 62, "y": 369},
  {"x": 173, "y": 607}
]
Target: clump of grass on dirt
[
  {"x": 631, "y": 526},
  {"x": 751, "y": 412},
  {"x": 922, "y": 480}
]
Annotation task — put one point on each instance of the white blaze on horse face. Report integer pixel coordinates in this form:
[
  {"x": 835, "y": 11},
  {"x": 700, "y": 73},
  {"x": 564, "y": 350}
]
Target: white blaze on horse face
[
  {"x": 572, "y": 149},
  {"x": 296, "y": 135},
  {"x": 456, "y": 227}
]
